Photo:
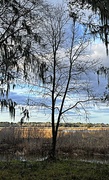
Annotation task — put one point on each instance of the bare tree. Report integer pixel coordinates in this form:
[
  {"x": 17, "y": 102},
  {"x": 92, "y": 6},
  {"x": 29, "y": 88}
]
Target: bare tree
[{"x": 68, "y": 68}]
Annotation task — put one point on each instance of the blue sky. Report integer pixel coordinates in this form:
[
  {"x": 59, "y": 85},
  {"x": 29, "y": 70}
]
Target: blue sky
[
  {"x": 56, "y": 1},
  {"x": 97, "y": 113},
  {"x": 97, "y": 48}
]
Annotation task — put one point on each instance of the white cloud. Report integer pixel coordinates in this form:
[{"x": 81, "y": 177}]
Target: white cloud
[
  {"x": 54, "y": 2},
  {"x": 98, "y": 51}
]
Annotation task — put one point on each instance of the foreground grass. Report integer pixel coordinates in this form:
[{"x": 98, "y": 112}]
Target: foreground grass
[{"x": 59, "y": 170}]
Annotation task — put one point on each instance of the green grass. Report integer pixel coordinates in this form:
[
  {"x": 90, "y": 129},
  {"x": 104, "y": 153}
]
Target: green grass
[{"x": 59, "y": 170}]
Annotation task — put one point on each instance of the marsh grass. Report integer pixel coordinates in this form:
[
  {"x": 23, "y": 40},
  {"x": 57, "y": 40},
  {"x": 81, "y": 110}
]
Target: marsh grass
[
  {"x": 37, "y": 141},
  {"x": 59, "y": 170},
  {"x": 68, "y": 144},
  {"x": 87, "y": 143}
]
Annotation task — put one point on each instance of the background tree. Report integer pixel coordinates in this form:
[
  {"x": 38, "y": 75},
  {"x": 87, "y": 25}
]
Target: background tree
[
  {"x": 98, "y": 22},
  {"x": 66, "y": 75},
  {"x": 19, "y": 36}
]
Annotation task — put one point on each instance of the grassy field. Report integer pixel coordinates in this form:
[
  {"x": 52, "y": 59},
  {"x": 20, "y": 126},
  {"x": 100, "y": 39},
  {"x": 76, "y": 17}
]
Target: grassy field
[{"x": 59, "y": 170}]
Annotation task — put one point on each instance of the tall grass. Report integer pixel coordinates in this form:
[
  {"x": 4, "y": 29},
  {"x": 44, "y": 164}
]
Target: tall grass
[{"x": 37, "y": 141}]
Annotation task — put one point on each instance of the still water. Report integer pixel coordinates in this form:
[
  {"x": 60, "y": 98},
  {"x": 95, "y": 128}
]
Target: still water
[{"x": 95, "y": 159}]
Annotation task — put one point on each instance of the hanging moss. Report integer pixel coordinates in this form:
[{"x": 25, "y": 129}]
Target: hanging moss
[
  {"x": 103, "y": 8},
  {"x": 25, "y": 113},
  {"x": 10, "y": 105}
]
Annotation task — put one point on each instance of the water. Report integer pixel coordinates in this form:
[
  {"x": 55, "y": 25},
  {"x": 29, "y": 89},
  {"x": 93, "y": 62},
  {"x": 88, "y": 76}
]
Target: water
[
  {"x": 95, "y": 159},
  {"x": 23, "y": 158},
  {"x": 100, "y": 159}
]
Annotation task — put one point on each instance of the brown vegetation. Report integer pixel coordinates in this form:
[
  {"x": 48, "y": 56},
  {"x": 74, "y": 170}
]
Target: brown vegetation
[{"x": 71, "y": 141}]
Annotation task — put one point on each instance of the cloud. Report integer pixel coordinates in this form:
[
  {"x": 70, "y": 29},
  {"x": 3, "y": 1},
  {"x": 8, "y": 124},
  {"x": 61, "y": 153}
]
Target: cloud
[
  {"x": 98, "y": 51},
  {"x": 55, "y": 1}
]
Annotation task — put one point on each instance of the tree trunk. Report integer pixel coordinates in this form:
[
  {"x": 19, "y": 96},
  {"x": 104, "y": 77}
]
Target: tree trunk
[{"x": 53, "y": 148}]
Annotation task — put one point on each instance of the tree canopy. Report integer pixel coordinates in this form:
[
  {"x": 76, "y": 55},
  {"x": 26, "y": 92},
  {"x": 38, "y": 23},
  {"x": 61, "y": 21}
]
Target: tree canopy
[
  {"x": 19, "y": 38},
  {"x": 101, "y": 9}
]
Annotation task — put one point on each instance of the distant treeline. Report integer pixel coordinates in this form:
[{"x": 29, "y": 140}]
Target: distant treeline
[{"x": 48, "y": 124}]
